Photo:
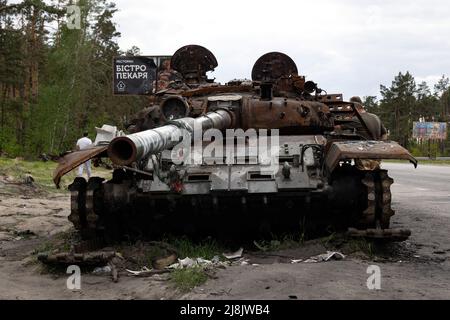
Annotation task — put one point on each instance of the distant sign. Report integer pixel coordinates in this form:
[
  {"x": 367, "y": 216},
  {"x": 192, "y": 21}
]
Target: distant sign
[
  {"x": 134, "y": 75},
  {"x": 430, "y": 130}
]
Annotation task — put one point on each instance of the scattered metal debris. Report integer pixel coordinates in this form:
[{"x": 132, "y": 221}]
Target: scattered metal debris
[
  {"x": 243, "y": 262},
  {"x": 102, "y": 270},
  {"x": 114, "y": 272},
  {"x": 161, "y": 263},
  {"x": 86, "y": 259},
  {"x": 330, "y": 255},
  {"x": 391, "y": 234},
  {"x": 28, "y": 179},
  {"x": 234, "y": 255},
  {"x": 199, "y": 262},
  {"x": 296, "y": 260},
  {"x": 189, "y": 263},
  {"x": 185, "y": 263},
  {"x": 146, "y": 272}
]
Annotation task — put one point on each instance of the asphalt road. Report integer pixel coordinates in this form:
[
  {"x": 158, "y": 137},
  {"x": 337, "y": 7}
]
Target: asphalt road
[{"x": 421, "y": 198}]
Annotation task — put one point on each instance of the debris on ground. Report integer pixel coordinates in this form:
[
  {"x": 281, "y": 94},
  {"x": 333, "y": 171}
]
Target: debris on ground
[
  {"x": 114, "y": 272},
  {"x": 87, "y": 259},
  {"x": 296, "y": 260},
  {"x": 164, "y": 262},
  {"x": 192, "y": 263},
  {"x": 28, "y": 179},
  {"x": 330, "y": 255},
  {"x": 146, "y": 272},
  {"x": 234, "y": 255},
  {"x": 102, "y": 270},
  {"x": 243, "y": 262}
]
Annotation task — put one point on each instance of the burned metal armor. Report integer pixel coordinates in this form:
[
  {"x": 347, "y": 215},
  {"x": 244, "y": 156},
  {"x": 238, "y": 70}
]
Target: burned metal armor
[{"x": 311, "y": 184}]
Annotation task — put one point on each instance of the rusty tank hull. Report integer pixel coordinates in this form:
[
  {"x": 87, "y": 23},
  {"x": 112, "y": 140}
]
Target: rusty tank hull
[{"x": 245, "y": 159}]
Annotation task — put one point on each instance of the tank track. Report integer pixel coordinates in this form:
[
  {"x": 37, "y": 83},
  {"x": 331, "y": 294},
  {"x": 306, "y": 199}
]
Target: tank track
[
  {"x": 85, "y": 199},
  {"x": 376, "y": 218},
  {"x": 78, "y": 203}
]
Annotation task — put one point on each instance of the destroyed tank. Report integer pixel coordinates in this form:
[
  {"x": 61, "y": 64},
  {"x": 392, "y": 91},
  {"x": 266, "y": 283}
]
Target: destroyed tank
[{"x": 246, "y": 159}]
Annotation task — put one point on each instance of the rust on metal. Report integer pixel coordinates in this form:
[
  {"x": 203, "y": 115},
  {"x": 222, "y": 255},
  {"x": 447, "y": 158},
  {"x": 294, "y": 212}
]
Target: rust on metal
[
  {"x": 350, "y": 150},
  {"x": 215, "y": 90},
  {"x": 314, "y": 174},
  {"x": 282, "y": 113},
  {"x": 68, "y": 258},
  {"x": 193, "y": 61},
  {"x": 72, "y": 160},
  {"x": 385, "y": 234},
  {"x": 273, "y": 66}
]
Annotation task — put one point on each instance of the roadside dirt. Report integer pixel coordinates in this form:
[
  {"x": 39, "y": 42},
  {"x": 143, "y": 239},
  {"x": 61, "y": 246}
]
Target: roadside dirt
[{"x": 32, "y": 221}]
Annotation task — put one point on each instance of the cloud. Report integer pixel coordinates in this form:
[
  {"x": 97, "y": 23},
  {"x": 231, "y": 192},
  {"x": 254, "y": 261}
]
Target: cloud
[{"x": 349, "y": 46}]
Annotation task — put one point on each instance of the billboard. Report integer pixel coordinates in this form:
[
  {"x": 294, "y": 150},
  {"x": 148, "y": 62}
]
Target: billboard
[
  {"x": 430, "y": 130},
  {"x": 136, "y": 75}
]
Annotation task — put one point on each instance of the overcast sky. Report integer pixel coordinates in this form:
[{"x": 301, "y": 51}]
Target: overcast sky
[{"x": 349, "y": 46}]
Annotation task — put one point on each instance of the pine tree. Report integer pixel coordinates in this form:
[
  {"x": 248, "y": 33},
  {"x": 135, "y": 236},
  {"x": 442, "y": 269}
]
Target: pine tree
[{"x": 397, "y": 106}]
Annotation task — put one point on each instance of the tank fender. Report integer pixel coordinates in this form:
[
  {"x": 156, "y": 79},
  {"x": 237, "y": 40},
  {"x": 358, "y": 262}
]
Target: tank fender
[
  {"x": 73, "y": 159},
  {"x": 348, "y": 150}
]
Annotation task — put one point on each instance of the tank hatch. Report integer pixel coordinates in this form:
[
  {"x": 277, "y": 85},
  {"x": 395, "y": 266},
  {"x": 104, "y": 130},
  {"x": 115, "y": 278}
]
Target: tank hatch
[
  {"x": 193, "y": 61},
  {"x": 272, "y": 66}
]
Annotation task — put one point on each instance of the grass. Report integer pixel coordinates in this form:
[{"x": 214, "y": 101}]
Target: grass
[
  {"x": 141, "y": 255},
  {"x": 187, "y": 279},
  {"x": 361, "y": 245},
  {"x": 287, "y": 242},
  {"x": 46, "y": 246},
  {"x": 282, "y": 241},
  {"x": 330, "y": 239},
  {"x": 205, "y": 249},
  {"x": 61, "y": 242},
  {"x": 42, "y": 172}
]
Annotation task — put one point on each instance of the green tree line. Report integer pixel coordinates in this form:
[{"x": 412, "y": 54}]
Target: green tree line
[
  {"x": 405, "y": 102},
  {"x": 55, "y": 81}
]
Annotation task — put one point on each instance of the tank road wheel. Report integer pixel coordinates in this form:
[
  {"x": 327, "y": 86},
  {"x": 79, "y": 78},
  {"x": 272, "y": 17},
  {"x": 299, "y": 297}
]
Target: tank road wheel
[
  {"x": 379, "y": 197},
  {"x": 376, "y": 217},
  {"x": 78, "y": 203},
  {"x": 86, "y": 203},
  {"x": 94, "y": 200}
]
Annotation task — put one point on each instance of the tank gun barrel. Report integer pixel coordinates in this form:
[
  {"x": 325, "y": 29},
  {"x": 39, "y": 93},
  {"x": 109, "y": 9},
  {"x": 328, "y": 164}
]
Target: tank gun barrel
[{"x": 128, "y": 149}]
